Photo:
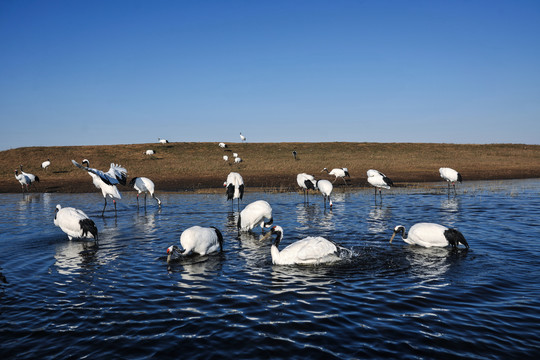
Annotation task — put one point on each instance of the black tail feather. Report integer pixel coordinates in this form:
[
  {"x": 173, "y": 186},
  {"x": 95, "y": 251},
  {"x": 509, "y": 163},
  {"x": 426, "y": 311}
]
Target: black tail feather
[
  {"x": 88, "y": 226},
  {"x": 454, "y": 237},
  {"x": 219, "y": 236}
]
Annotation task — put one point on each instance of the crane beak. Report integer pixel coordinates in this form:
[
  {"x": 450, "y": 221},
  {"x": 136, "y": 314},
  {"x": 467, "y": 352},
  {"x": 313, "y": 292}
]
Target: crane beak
[
  {"x": 392, "y": 238},
  {"x": 267, "y": 235}
]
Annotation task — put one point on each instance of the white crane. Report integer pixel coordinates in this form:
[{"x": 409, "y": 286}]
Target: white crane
[
  {"x": 222, "y": 145},
  {"x": 106, "y": 181},
  {"x": 242, "y": 137},
  {"x": 379, "y": 181},
  {"x": 306, "y": 182},
  {"x": 198, "y": 240},
  {"x": 235, "y": 155},
  {"x": 451, "y": 176},
  {"x": 294, "y": 154},
  {"x": 338, "y": 173},
  {"x": 430, "y": 234},
  {"x": 46, "y": 164},
  {"x": 254, "y": 215},
  {"x": 237, "y": 160},
  {"x": 75, "y": 223},
  {"x": 235, "y": 187},
  {"x": 225, "y": 158},
  {"x": 25, "y": 180},
  {"x": 308, "y": 251},
  {"x": 144, "y": 185},
  {"x": 33, "y": 178},
  {"x": 149, "y": 152},
  {"x": 163, "y": 141},
  {"x": 325, "y": 187}
]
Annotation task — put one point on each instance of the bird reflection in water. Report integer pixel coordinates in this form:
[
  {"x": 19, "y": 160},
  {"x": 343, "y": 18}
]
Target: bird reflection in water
[{"x": 378, "y": 218}]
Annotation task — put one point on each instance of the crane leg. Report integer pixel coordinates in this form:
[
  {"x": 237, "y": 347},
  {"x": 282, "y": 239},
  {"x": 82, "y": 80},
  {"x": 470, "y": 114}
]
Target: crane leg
[
  {"x": 145, "y": 200},
  {"x": 104, "y": 206},
  {"x": 137, "y": 201}
]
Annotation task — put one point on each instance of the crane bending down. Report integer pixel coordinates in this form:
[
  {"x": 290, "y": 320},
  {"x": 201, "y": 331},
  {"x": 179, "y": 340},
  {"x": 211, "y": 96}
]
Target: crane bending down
[
  {"x": 325, "y": 187},
  {"x": 235, "y": 187},
  {"x": 106, "y": 181},
  {"x": 198, "y": 240},
  {"x": 338, "y": 173},
  {"x": 254, "y": 215},
  {"x": 75, "y": 223},
  {"x": 144, "y": 185},
  {"x": 308, "y": 251},
  {"x": 451, "y": 176},
  {"x": 430, "y": 234}
]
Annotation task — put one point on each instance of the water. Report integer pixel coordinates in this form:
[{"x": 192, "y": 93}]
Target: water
[{"x": 120, "y": 299}]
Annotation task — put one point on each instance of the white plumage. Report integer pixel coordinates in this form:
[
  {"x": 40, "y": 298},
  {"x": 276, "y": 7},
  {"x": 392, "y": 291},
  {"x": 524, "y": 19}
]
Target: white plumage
[
  {"x": 225, "y": 158},
  {"x": 237, "y": 160},
  {"x": 150, "y": 152},
  {"x": 308, "y": 251},
  {"x": 163, "y": 141},
  {"x": 235, "y": 187},
  {"x": 339, "y": 173},
  {"x": 325, "y": 187},
  {"x": 451, "y": 176},
  {"x": 25, "y": 180},
  {"x": 235, "y": 155},
  {"x": 242, "y": 137},
  {"x": 46, "y": 164},
  {"x": 222, "y": 145},
  {"x": 254, "y": 215},
  {"x": 106, "y": 181},
  {"x": 33, "y": 178},
  {"x": 144, "y": 185},
  {"x": 430, "y": 234},
  {"x": 197, "y": 240},
  {"x": 379, "y": 181},
  {"x": 306, "y": 182},
  {"x": 75, "y": 223}
]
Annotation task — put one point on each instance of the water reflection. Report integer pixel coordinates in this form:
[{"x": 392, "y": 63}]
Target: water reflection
[
  {"x": 74, "y": 255},
  {"x": 450, "y": 210},
  {"x": 197, "y": 268},
  {"x": 306, "y": 214},
  {"x": 378, "y": 217}
]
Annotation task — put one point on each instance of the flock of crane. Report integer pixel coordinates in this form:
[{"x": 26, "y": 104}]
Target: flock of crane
[{"x": 202, "y": 241}]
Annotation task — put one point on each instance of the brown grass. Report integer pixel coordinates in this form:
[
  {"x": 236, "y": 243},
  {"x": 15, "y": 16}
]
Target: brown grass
[{"x": 197, "y": 166}]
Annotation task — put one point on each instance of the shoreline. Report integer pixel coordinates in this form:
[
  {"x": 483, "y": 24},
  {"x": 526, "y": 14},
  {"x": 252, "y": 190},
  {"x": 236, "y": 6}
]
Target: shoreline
[{"x": 199, "y": 167}]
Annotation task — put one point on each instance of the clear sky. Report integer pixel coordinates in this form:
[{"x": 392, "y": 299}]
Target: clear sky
[{"x": 122, "y": 72}]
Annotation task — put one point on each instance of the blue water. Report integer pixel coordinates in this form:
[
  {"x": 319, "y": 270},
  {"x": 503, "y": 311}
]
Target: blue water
[{"x": 120, "y": 299}]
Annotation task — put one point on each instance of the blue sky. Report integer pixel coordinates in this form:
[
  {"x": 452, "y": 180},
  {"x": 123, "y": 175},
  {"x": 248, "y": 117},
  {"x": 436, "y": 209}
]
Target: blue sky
[{"x": 122, "y": 72}]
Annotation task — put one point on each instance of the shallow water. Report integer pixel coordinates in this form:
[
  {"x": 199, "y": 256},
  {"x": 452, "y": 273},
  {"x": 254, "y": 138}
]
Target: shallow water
[{"x": 120, "y": 299}]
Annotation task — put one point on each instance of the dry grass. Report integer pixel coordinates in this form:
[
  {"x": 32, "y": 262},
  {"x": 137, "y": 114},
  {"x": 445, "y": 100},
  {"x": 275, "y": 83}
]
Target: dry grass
[{"x": 198, "y": 166}]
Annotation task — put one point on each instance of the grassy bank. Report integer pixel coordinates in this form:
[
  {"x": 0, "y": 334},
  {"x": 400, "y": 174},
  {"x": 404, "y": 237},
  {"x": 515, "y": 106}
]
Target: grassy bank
[{"x": 194, "y": 166}]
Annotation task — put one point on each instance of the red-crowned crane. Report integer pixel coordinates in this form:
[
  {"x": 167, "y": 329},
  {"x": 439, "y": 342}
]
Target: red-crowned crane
[
  {"x": 379, "y": 181},
  {"x": 254, "y": 215},
  {"x": 144, "y": 185},
  {"x": 106, "y": 181},
  {"x": 338, "y": 173},
  {"x": 325, "y": 187},
  {"x": 451, "y": 176},
  {"x": 308, "y": 251},
  {"x": 430, "y": 234},
  {"x": 75, "y": 223},
  {"x": 46, "y": 164},
  {"x": 25, "y": 180},
  {"x": 306, "y": 182},
  {"x": 197, "y": 240},
  {"x": 235, "y": 188}
]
